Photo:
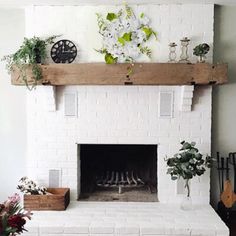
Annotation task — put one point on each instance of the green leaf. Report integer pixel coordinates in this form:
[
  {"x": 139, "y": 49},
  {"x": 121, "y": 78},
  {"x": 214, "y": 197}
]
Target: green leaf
[
  {"x": 102, "y": 50},
  {"x": 191, "y": 161},
  {"x": 111, "y": 16},
  {"x": 127, "y": 36},
  {"x": 155, "y": 34},
  {"x": 145, "y": 50},
  {"x": 174, "y": 177},
  {"x": 184, "y": 166},
  {"x": 120, "y": 12},
  {"x": 129, "y": 11},
  {"x": 142, "y": 15},
  {"x": 121, "y": 41},
  {"x": 148, "y": 31},
  {"x": 193, "y": 143},
  {"x": 110, "y": 59}
]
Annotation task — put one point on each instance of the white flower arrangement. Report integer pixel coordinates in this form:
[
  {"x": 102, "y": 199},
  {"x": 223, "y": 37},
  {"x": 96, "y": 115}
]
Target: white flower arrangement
[
  {"x": 124, "y": 36},
  {"x": 29, "y": 187}
]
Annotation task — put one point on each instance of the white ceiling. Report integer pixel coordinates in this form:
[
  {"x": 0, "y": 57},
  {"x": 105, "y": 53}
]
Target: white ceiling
[{"x": 23, "y": 3}]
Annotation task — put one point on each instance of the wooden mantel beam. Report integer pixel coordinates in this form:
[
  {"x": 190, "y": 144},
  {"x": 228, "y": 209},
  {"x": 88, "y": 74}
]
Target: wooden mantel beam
[{"x": 142, "y": 74}]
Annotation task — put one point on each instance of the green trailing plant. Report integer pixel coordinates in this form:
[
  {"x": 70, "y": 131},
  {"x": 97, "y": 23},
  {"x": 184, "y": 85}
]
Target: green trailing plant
[
  {"x": 201, "y": 49},
  {"x": 188, "y": 163},
  {"x": 32, "y": 52}
]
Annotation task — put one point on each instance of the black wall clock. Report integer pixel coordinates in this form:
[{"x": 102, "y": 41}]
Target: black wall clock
[{"x": 63, "y": 51}]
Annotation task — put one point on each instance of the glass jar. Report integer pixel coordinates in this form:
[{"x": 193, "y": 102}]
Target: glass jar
[{"x": 186, "y": 203}]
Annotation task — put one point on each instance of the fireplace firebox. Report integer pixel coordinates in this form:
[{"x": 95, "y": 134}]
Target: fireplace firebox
[{"x": 118, "y": 172}]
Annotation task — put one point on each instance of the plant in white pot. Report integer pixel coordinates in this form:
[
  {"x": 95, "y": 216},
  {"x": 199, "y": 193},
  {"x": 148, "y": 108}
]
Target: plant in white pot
[{"x": 186, "y": 164}]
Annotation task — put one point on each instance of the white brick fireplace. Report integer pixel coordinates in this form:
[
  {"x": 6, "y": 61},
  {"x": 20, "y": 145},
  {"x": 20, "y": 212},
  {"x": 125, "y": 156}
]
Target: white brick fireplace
[
  {"x": 121, "y": 115},
  {"x": 118, "y": 114}
]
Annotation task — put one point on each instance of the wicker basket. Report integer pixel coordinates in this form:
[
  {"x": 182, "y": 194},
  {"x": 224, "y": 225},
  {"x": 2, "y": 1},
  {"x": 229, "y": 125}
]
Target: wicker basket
[{"x": 58, "y": 201}]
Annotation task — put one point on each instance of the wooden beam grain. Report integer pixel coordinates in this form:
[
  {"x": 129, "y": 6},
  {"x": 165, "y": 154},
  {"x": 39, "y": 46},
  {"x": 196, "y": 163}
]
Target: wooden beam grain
[{"x": 142, "y": 74}]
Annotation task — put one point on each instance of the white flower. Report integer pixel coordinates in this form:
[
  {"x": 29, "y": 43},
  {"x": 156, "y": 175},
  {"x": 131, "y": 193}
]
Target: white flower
[
  {"x": 130, "y": 24},
  {"x": 131, "y": 50},
  {"x": 144, "y": 20},
  {"x": 28, "y": 187},
  {"x": 117, "y": 26},
  {"x": 117, "y": 51},
  {"x": 138, "y": 36},
  {"x": 108, "y": 34},
  {"x": 122, "y": 58},
  {"x": 119, "y": 45}
]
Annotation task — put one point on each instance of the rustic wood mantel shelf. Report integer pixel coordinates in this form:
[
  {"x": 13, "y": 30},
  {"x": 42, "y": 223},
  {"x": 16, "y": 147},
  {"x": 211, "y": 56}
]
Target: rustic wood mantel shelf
[{"x": 116, "y": 74}]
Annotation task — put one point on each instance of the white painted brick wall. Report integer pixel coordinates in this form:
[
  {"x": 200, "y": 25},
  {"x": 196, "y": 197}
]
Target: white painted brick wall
[{"x": 118, "y": 114}]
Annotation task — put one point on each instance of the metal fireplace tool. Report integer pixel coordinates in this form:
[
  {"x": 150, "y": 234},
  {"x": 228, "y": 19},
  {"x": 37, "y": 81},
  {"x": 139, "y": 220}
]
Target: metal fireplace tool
[{"x": 226, "y": 208}]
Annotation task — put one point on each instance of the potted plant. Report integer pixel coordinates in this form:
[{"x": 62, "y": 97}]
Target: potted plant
[
  {"x": 28, "y": 186},
  {"x": 13, "y": 217},
  {"x": 186, "y": 164},
  {"x": 31, "y": 52},
  {"x": 201, "y": 50},
  {"x": 41, "y": 198}
]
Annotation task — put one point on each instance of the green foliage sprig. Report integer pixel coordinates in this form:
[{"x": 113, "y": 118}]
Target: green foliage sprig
[
  {"x": 201, "y": 49},
  {"x": 188, "y": 163},
  {"x": 31, "y": 52}
]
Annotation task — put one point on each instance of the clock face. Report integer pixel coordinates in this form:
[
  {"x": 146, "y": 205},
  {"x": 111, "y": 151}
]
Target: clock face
[{"x": 63, "y": 51}]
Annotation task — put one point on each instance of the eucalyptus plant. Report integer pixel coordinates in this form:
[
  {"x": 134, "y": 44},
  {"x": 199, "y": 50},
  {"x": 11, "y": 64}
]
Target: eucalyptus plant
[
  {"x": 188, "y": 163},
  {"x": 32, "y": 52}
]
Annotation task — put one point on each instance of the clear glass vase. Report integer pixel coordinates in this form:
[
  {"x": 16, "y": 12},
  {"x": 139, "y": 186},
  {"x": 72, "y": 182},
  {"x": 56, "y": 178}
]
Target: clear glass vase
[
  {"x": 201, "y": 59},
  {"x": 186, "y": 203}
]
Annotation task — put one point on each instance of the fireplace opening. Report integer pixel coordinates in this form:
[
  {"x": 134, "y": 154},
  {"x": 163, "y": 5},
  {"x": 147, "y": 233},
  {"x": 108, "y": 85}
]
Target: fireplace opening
[{"x": 118, "y": 172}]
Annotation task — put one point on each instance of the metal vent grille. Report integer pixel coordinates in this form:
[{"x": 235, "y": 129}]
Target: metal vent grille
[
  {"x": 70, "y": 103},
  {"x": 166, "y": 105},
  {"x": 54, "y": 178}
]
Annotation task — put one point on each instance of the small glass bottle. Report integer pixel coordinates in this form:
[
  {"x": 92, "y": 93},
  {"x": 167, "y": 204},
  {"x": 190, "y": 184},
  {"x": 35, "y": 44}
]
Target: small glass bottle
[
  {"x": 172, "y": 53},
  {"x": 184, "y": 50}
]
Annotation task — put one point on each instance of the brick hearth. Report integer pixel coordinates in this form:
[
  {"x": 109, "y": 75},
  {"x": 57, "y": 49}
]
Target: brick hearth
[{"x": 127, "y": 219}]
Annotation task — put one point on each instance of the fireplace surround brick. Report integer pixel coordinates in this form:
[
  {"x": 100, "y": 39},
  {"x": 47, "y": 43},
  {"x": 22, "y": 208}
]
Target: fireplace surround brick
[{"x": 55, "y": 136}]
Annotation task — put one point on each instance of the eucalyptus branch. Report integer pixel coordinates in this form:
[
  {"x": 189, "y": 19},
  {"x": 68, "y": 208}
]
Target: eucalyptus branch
[{"x": 188, "y": 163}]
